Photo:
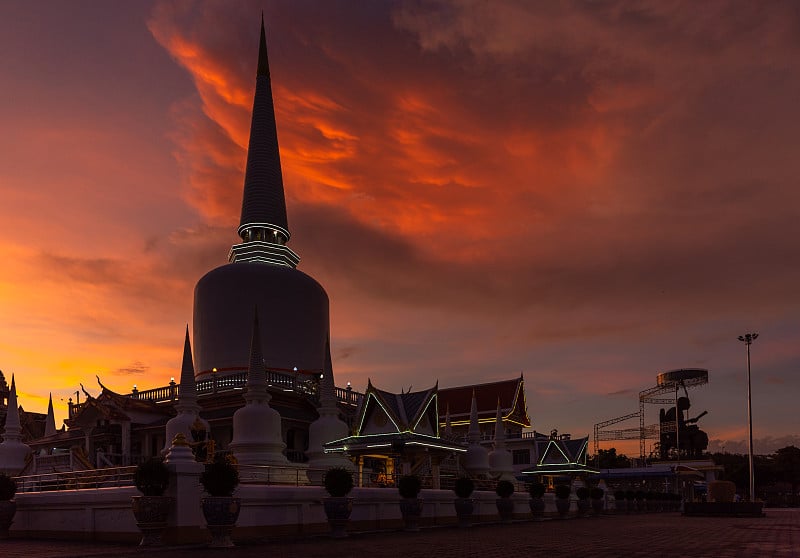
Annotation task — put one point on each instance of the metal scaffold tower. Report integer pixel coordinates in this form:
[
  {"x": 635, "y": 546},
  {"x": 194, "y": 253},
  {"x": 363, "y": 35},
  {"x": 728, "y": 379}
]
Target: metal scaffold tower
[{"x": 665, "y": 392}]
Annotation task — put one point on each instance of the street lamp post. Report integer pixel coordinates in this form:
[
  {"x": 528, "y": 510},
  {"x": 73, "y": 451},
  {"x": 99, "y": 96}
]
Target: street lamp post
[{"x": 748, "y": 339}]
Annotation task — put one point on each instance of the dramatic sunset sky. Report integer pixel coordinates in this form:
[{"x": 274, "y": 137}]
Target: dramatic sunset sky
[{"x": 585, "y": 193}]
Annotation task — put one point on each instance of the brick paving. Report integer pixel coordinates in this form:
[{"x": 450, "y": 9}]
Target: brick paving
[{"x": 632, "y": 536}]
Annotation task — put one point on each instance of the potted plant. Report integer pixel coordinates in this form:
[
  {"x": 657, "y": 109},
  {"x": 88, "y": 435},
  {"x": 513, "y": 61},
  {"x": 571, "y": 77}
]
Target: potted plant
[
  {"x": 8, "y": 507},
  {"x": 505, "y": 505},
  {"x": 619, "y": 501},
  {"x": 410, "y": 506},
  {"x": 596, "y": 494},
  {"x": 562, "y": 500},
  {"x": 221, "y": 510},
  {"x": 583, "y": 500},
  {"x": 536, "y": 490},
  {"x": 338, "y": 507},
  {"x": 152, "y": 507},
  {"x": 464, "y": 488}
]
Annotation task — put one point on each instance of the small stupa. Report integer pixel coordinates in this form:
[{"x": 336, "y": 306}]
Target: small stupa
[
  {"x": 327, "y": 428},
  {"x": 501, "y": 461},
  {"x": 476, "y": 460},
  {"x": 257, "y": 438},
  {"x": 188, "y": 417},
  {"x": 13, "y": 453}
]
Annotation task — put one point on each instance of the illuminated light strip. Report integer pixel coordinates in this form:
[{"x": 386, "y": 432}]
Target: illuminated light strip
[
  {"x": 552, "y": 471},
  {"x": 484, "y": 421},
  {"x": 520, "y": 389},
  {"x": 582, "y": 452},
  {"x": 379, "y": 445},
  {"x": 263, "y": 226},
  {"x": 449, "y": 448},
  {"x": 547, "y": 449},
  {"x": 433, "y": 399},
  {"x": 364, "y": 415}
]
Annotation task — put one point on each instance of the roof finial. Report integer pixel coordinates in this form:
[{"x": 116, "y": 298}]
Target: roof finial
[{"x": 263, "y": 62}]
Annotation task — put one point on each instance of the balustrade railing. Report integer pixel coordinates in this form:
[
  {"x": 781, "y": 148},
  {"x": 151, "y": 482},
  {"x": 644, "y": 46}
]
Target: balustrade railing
[{"x": 77, "y": 480}]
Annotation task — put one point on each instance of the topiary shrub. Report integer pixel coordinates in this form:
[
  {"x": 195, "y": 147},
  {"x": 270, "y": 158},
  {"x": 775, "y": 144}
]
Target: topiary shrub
[
  {"x": 582, "y": 493},
  {"x": 596, "y": 493},
  {"x": 619, "y": 495},
  {"x": 220, "y": 478},
  {"x": 409, "y": 486},
  {"x": 563, "y": 491},
  {"x": 536, "y": 490},
  {"x": 504, "y": 488},
  {"x": 338, "y": 482},
  {"x": 464, "y": 487},
  {"x": 151, "y": 477},
  {"x": 8, "y": 487}
]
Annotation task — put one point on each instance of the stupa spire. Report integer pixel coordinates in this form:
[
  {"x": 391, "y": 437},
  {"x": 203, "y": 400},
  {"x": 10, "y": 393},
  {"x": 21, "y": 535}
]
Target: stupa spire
[
  {"x": 13, "y": 453},
  {"x": 13, "y": 428},
  {"x": 263, "y": 227},
  {"x": 188, "y": 417},
  {"x": 188, "y": 392},
  {"x": 50, "y": 421}
]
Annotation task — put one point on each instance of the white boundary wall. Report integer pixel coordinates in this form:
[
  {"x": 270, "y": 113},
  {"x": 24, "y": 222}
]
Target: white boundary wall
[{"x": 106, "y": 514}]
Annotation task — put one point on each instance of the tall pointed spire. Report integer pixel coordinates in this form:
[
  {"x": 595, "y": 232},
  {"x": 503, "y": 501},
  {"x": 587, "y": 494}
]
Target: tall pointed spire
[
  {"x": 50, "y": 421},
  {"x": 13, "y": 429},
  {"x": 474, "y": 433},
  {"x": 188, "y": 392},
  {"x": 499, "y": 430},
  {"x": 501, "y": 461},
  {"x": 188, "y": 417},
  {"x": 13, "y": 453},
  {"x": 263, "y": 227},
  {"x": 476, "y": 460}
]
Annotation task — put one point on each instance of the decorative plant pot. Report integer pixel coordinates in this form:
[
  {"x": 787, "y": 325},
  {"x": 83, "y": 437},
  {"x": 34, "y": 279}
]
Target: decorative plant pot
[
  {"x": 221, "y": 513},
  {"x": 151, "y": 514},
  {"x": 537, "y": 506},
  {"x": 338, "y": 510},
  {"x": 505, "y": 508},
  {"x": 464, "y": 509},
  {"x": 411, "y": 508},
  {"x": 597, "y": 506},
  {"x": 562, "y": 505},
  {"x": 583, "y": 507}
]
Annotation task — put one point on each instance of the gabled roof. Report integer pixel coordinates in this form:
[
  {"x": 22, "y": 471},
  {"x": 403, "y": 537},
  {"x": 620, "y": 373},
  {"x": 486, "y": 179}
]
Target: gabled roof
[
  {"x": 510, "y": 394},
  {"x": 110, "y": 405},
  {"x": 404, "y": 409}
]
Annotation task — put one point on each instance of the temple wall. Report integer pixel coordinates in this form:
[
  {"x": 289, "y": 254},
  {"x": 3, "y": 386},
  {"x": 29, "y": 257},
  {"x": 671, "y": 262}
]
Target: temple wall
[{"x": 267, "y": 511}]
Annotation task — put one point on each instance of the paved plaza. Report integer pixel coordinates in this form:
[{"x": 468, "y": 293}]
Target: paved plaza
[{"x": 649, "y": 535}]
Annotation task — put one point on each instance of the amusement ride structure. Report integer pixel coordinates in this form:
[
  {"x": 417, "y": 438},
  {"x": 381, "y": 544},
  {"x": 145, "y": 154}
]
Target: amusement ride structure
[{"x": 681, "y": 434}]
